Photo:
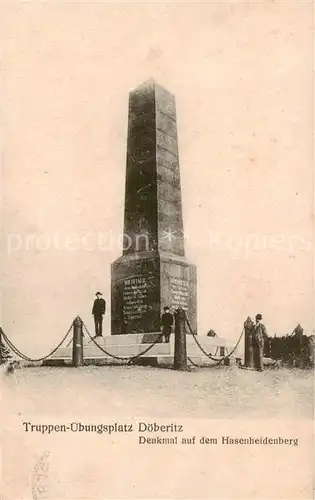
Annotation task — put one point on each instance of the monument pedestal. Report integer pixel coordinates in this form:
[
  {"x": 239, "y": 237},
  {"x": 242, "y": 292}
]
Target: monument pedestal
[{"x": 143, "y": 285}]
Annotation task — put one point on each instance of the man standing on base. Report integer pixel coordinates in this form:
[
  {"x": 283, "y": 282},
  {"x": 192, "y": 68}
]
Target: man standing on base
[
  {"x": 167, "y": 323},
  {"x": 99, "y": 308},
  {"x": 259, "y": 335}
]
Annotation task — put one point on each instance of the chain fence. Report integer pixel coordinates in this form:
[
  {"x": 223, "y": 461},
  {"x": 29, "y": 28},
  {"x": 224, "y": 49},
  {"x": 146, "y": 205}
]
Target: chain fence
[
  {"x": 203, "y": 366},
  {"x": 124, "y": 359},
  {"x": 217, "y": 361},
  {"x": 18, "y": 353},
  {"x": 127, "y": 359}
]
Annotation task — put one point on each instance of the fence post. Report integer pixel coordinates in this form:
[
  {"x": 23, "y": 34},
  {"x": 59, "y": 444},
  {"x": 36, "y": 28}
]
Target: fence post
[
  {"x": 249, "y": 352},
  {"x": 77, "y": 345},
  {"x": 180, "y": 350}
]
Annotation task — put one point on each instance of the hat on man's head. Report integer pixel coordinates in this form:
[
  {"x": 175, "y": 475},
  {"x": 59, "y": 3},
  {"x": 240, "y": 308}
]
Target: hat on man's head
[
  {"x": 166, "y": 308},
  {"x": 98, "y": 293},
  {"x": 258, "y": 316}
]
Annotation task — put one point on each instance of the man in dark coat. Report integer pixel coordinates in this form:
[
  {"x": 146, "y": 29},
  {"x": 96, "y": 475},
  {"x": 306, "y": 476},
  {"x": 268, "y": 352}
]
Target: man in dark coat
[
  {"x": 167, "y": 321},
  {"x": 259, "y": 336},
  {"x": 99, "y": 308}
]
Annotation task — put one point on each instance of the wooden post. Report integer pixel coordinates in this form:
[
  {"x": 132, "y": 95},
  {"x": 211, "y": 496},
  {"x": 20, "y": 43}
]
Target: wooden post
[
  {"x": 249, "y": 352},
  {"x": 180, "y": 350},
  {"x": 77, "y": 346}
]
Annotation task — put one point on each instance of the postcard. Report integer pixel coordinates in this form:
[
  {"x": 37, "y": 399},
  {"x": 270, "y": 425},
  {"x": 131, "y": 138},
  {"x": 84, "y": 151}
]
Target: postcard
[{"x": 157, "y": 250}]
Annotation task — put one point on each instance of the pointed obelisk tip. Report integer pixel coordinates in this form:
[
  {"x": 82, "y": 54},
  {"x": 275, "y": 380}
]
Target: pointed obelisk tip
[{"x": 151, "y": 83}]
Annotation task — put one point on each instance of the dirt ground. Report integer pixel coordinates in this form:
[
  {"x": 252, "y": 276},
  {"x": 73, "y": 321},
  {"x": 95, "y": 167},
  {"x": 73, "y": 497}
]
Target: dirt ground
[{"x": 219, "y": 392}]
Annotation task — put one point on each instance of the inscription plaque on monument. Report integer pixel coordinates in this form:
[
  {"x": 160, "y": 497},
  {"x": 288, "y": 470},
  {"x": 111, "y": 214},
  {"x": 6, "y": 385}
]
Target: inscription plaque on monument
[
  {"x": 153, "y": 271},
  {"x": 135, "y": 296},
  {"x": 179, "y": 289}
]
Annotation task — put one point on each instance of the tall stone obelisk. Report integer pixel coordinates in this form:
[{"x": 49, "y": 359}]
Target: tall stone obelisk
[{"x": 152, "y": 271}]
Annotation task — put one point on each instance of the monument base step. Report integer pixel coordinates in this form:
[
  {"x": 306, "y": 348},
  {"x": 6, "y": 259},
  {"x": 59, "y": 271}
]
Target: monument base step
[{"x": 127, "y": 346}]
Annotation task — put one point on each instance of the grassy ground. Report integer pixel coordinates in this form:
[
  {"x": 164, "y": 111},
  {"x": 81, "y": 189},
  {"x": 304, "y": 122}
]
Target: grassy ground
[{"x": 221, "y": 392}]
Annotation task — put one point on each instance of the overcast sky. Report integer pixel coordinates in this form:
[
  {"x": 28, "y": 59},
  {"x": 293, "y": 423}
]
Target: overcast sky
[{"x": 242, "y": 76}]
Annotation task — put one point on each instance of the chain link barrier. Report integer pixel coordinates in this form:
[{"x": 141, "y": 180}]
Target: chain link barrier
[
  {"x": 18, "y": 353},
  {"x": 192, "y": 362},
  {"x": 127, "y": 359},
  {"x": 218, "y": 361},
  {"x": 205, "y": 366}
]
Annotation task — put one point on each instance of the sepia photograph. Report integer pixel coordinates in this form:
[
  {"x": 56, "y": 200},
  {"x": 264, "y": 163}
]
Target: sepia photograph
[{"x": 157, "y": 250}]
